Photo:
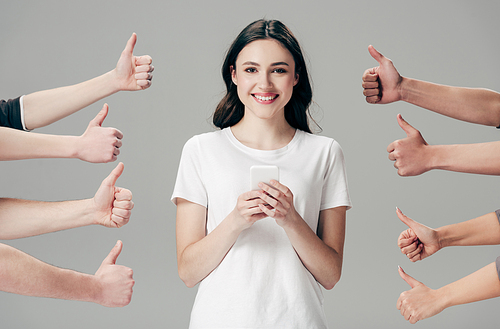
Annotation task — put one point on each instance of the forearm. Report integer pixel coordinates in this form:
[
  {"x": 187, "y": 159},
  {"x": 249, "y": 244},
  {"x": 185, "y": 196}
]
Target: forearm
[
  {"x": 475, "y": 105},
  {"x": 23, "y": 218},
  {"x": 19, "y": 145},
  {"x": 26, "y": 275},
  {"x": 323, "y": 261},
  {"x": 483, "y": 230},
  {"x": 480, "y": 158},
  {"x": 480, "y": 285},
  {"x": 45, "y": 107},
  {"x": 200, "y": 258}
]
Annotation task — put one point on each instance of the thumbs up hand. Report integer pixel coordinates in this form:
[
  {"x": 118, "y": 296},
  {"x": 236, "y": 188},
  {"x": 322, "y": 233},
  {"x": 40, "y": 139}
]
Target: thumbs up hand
[
  {"x": 115, "y": 282},
  {"x": 420, "y": 302},
  {"x": 113, "y": 205},
  {"x": 418, "y": 241},
  {"x": 99, "y": 144},
  {"x": 134, "y": 72},
  {"x": 411, "y": 155},
  {"x": 381, "y": 84}
]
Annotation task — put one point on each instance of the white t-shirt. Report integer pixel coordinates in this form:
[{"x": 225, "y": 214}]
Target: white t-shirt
[{"x": 261, "y": 282}]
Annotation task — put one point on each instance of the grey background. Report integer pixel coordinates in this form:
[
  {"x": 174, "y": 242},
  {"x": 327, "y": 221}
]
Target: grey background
[{"x": 47, "y": 44}]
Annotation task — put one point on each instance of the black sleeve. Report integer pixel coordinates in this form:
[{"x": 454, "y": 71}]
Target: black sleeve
[{"x": 10, "y": 114}]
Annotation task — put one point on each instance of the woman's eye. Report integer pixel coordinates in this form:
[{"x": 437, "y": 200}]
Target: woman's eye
[
  {"x": 279, "y": 70},
  {"x": 250, "y": 70}
]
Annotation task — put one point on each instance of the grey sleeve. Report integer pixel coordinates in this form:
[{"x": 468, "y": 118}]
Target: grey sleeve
[
  {"x": 498, "y": 266},
  {"x": 498, "y": 258}
]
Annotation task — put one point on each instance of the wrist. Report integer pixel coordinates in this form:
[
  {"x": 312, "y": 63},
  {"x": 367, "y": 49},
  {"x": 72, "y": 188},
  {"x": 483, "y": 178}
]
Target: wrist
[
  {"x": 235, "y": 224},
  {"x": 89, "y": 213},
  {"x": 433, "y": 157},
  {"x": 441, "y": 237},
  {"x": 403, "y": 88},
  {"x": 445, "y": 297},
  {"x": 294, "y": 223},
  {"x": 113, "y": 81}
]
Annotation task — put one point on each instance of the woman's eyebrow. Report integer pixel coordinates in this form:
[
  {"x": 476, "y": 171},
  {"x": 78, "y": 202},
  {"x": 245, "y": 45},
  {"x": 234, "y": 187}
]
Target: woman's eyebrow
[{"x": 257, "y": 64}]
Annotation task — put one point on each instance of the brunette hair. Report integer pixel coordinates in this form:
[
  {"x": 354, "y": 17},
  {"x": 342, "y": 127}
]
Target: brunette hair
[{"x": 230, "y": 109}]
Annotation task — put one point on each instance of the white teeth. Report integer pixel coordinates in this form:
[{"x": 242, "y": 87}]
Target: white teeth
[{"x": 268, "y": 98}]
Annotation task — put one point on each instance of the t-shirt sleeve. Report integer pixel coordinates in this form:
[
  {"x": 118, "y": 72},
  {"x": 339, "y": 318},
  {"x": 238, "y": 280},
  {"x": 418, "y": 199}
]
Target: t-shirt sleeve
[
  {"x": 189, "y": 183},
  {"x": 335, "y": 190},
  {"x": 10, "y": 114}
]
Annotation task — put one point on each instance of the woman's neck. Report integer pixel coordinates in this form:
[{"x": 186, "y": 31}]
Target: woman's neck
[{"x": 263, "y": 134}]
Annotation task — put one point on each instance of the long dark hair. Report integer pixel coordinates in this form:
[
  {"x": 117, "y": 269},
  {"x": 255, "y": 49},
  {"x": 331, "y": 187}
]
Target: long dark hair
[{"x": 230, "y": 109}]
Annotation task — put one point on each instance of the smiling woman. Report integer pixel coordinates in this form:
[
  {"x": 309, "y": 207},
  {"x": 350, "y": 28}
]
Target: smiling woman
[
  {"x": 230, "y": 109},
  {"x": 261, "y": 256},
  {"x": 264, "y": 74}
]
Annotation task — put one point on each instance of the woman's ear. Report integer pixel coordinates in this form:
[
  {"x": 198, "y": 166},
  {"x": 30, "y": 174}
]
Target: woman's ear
[
  {"x": 233, "y": 75},
  {"x": 296, "y": 79}
]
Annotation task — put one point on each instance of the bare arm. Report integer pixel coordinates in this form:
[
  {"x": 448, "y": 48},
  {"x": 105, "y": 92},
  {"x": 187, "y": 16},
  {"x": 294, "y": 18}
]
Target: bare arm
[
  {"x": 131, "y": 73},
  {"x": 111, "y": 207},
  {"x": 25, "y": 275},
  {"x": 321, "y": 252},
  {"x": 199, "y": 254},
  {"x": 421, "y": 302},
  {"x": 384, "y": 84},
  {"x": 97, "y": 144},
  {"x": 413, "y": 156},
  {"x": 419, "y": 241}
]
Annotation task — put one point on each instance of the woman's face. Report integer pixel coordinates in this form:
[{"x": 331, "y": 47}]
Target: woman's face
[{"x": 265, "y": 76}]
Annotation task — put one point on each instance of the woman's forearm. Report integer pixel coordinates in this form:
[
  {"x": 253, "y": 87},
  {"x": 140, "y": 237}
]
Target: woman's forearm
[
  {"x": 321, "y": 253},
  {"x": 483, "y": 230},
  {"x": 480, "y": 285},
  {"x": 199, "y": 257}
]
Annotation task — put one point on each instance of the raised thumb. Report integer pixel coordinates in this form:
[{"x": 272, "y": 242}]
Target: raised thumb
[
  {"x": 129, "y": 48},
  {"x": 99, "y": 118},
  {"x": 113, "y": 176},
  {"x": 405, "y": 219},
  {"x": 408, "y": 129},
  {"x": 114, "y": 253},
  {"x": 408, "y": 279},
  {"x": 375, "y": 54}
]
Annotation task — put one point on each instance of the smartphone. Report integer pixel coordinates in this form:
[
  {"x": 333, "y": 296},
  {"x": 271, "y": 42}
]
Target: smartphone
[{"x": 263, "y": 174}]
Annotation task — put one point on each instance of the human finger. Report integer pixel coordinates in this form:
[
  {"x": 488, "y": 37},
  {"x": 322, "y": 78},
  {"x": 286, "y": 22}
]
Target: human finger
[
  {"x": 122, "y": 194},
  {"x": 370, "y": 75},
  {"x": 371, "y": 92},
  {"x": 143, "y": 76},
  {"x": 370, "y": 84},
  {"x": 144, "y": 68},
  {"x": 143, "y": 60},
  {"x": 415, "y": 254}
]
